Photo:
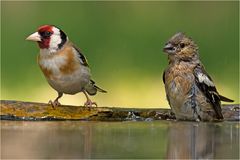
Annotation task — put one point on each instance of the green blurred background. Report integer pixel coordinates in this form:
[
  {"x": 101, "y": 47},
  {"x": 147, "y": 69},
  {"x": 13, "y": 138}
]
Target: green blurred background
[{"x": 123, "y": 43}]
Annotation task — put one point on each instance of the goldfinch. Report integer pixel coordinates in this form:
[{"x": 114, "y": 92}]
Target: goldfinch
[
  {"x": 63, "y": 64},
  {"x": 190, "y": 91}
]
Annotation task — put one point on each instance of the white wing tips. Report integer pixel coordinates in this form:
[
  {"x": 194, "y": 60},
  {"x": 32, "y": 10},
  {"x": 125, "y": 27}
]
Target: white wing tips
[{"x": 202, "y": 78}]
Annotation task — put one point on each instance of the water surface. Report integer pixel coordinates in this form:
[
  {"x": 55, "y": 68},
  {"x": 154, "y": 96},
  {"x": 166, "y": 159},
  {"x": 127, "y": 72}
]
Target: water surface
[{"x": 157, "y": 139}]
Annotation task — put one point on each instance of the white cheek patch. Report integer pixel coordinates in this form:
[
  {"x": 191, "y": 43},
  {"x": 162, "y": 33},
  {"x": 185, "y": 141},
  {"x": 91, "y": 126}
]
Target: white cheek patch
[
  {"x": 55, "y": 40},
  {"x": 204, "y": 79}
]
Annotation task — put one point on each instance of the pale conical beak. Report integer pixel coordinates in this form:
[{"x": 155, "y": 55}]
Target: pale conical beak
[
  {"x": 34, "y": 37},
  {"x": 169, "y": 48}
]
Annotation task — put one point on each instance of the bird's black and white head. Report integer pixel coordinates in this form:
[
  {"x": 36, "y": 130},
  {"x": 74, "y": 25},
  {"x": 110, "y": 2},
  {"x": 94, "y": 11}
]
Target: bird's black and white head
[
  {"x": 180, "y": 47},
  {"x": 49, "y": 38}
]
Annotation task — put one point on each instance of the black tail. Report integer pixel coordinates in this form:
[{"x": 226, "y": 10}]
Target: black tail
[
  {"x": 225, "y": 99},
  {"x": 99, "y": 89},
  {"x": 92, "y": 89}
]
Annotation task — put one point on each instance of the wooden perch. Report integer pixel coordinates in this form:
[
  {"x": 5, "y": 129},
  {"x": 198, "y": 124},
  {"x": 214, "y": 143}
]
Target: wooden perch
[{"x": 18, "y": 110}]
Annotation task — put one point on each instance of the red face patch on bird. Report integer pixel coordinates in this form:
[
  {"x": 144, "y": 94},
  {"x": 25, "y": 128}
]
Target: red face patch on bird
[{"x": 45, "y": 32}]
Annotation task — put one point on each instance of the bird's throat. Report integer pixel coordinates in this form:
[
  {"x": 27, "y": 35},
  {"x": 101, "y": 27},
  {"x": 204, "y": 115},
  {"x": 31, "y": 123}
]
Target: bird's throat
[{"x": 44, "y": 44}]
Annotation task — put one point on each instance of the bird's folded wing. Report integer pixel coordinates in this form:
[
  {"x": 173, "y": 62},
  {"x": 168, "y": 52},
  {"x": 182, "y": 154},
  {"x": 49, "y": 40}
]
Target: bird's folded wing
[
  {"x": 163, "y": 77},
  {"x": 206, "y": 85},
  {"x": 82, "y": 58}
]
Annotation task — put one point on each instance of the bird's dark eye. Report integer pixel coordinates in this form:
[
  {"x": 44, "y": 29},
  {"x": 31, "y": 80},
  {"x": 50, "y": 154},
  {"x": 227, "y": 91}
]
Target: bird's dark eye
[
  {"x": 182, "y": 45},
  {"x": 47, "y": 33}
]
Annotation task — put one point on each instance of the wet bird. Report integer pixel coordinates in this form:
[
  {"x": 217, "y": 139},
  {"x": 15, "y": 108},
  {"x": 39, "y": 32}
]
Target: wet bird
[
  {"x": 63, "y": 64},
  {"x": 190, "y": 91}
]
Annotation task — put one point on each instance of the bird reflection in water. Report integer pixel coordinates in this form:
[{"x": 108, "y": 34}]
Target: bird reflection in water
[{"x": 192, "y": 140}]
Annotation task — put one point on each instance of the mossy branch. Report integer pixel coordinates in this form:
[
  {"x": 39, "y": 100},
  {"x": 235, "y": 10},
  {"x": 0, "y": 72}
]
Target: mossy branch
[{"x": 18, "y": 110}]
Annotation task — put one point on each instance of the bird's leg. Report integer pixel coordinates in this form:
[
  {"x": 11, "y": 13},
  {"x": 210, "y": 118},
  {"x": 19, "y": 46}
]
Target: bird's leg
[
  {"x": 55, "y": 103},
  {"x": 89, "y": 103}
]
